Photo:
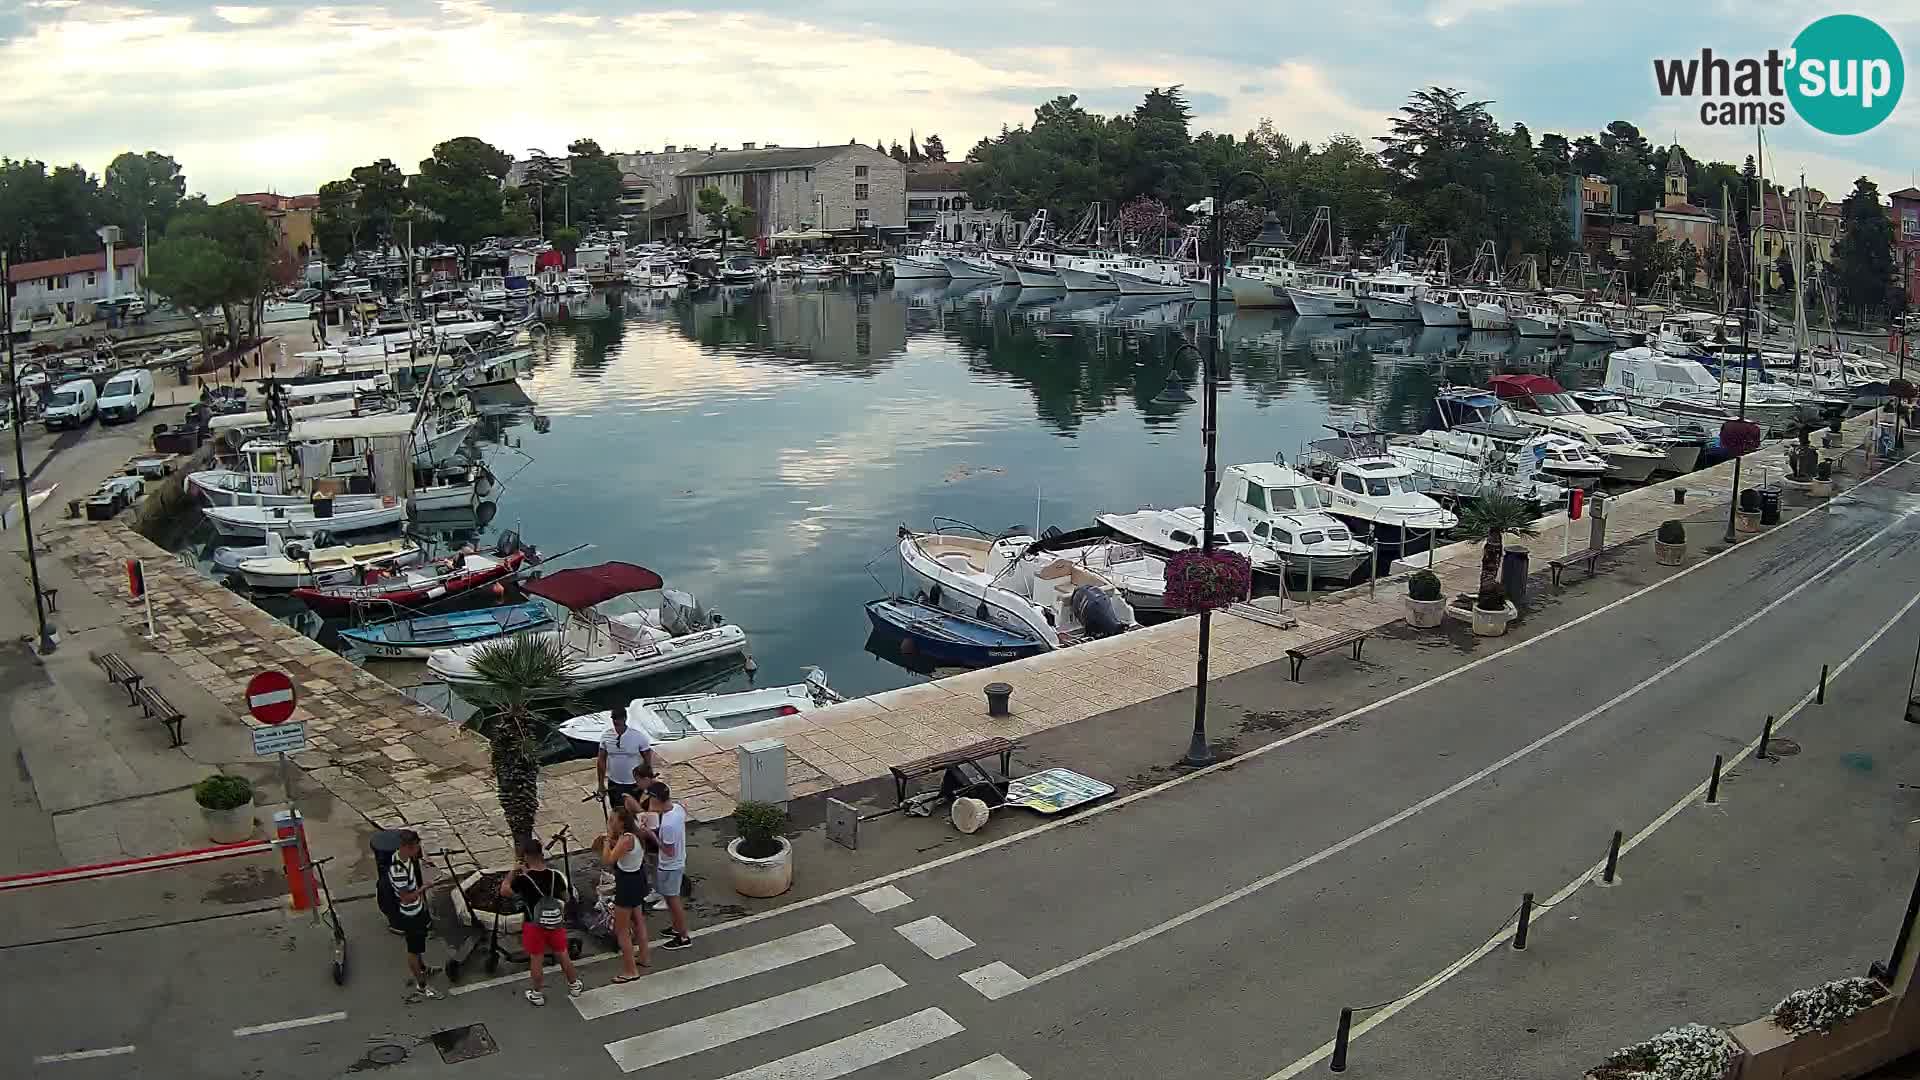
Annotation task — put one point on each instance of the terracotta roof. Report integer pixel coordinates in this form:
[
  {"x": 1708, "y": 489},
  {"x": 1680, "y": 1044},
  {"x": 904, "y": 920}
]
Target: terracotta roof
[
  {"x": 267, "y": 200},
  {"x": 72, "y": 264},
  {"x": 1906, "y": 193},
  {"x": 936, "y": 175},
  {"x": 1682, "y": 209},
  {"x": 745, "y": 161}
]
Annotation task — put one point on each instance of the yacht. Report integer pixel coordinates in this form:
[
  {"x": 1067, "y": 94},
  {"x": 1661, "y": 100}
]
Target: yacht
[
  {"x": 1681, "y": 392},
  {"x": 1474, "y": 461},
  {"x": 1286, "y": 512},
  {"x": 1171, "y": 531},
  {"x": 1543, "y": 403},
  {"x": 1446, "y": 307},
  {"x": 1325, "y": 293},
  {"x": 1370, "y": 490},
  {"x": 1566, "y": 461},
  {"x": 1053, "y": 599},
  {"x": 1683, "y": 451},
  {"x": 1391, "y": 296}
]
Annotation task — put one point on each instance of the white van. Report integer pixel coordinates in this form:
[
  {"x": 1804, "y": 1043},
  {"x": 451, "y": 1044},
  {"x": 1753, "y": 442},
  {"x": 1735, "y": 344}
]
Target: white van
[
  {"x": 72, "y": 405},
  {"x": 128, "y": 394}
]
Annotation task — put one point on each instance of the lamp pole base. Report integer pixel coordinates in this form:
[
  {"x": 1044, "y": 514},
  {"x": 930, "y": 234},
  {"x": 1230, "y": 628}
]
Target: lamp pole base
[{"x": 1199, "y": 754}]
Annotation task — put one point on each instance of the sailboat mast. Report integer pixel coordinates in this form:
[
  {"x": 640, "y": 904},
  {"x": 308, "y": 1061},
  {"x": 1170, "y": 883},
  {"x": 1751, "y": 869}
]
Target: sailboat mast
[{"x": 1802, "y": 340}]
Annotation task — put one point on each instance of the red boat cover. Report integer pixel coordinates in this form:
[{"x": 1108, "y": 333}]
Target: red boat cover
[
  {"x": 1511, "y": 386},
  {"x": 589, "y": 585}
]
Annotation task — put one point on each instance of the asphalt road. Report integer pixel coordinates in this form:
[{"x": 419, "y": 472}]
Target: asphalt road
[{"x": 1216, "y": 926}]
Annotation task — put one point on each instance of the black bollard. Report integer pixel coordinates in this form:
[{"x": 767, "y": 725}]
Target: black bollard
[
  {"x": 1821, "y": 697},
  {"x": 1339, "y": 1062},
  {"x": 1766, "y": 736},
  {"x": 1713, "y": 785},
  {"x": 1613, "y": 859},
  {"x": 1526, "y": 916}
]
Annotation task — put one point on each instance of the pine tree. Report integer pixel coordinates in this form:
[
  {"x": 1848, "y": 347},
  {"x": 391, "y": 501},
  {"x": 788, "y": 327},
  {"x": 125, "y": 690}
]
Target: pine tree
[
  {"x": 934, "y": 149},
  {"x": 897, "y": 153},
  {"x": 1863, "y": 256},
  {"x": 913, "y": 148}
]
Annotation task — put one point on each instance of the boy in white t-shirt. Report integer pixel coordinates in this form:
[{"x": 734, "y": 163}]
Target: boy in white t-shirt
[{"x": 669, "y": 875}]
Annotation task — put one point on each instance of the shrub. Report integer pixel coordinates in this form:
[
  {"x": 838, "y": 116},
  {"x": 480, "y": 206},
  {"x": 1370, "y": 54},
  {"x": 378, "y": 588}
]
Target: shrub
[
  {"x": 1493, "y": 597},
  {"x": 759, "y": 824},
  {"x": 1820, "y": 1008},
  {"x": 1424, "y": 585},
  {"x": 223, "y": 792},
  {"x": 1690, "y": 1052},
  {"x": 1671, "y": 532}
]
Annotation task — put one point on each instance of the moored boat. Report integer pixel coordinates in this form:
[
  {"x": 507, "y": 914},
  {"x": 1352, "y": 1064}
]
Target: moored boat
[
  {"x": 947, "y": 638},
  {"x": 419, "y": 636}
]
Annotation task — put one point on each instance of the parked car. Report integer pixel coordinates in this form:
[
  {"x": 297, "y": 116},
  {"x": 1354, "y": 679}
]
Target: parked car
[
  {"x": 128, "y": 394},
  {"x": 72, "y": 405}
]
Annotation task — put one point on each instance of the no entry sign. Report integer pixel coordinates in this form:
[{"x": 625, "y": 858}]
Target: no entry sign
[{"x": 270, "y": 697}]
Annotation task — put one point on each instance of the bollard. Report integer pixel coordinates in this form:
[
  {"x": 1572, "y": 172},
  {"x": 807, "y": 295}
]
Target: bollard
[
  {"x": 1713, "y": 785},
  {"x": 1526, "y": 916},
  {"x": 1679, "y": 496},
  {"x": 290, "y": 828},
  {"x": 1820, "y": 698},
  {"x": 998, "y": 694},
  {"x": 1340, "y": 1037},
  {"x": 1613, "y": 859},
  {"x": 1766, "y": 736}
]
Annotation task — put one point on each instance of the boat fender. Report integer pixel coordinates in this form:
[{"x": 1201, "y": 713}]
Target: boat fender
[
  {"x": 981, "y": 611},
  {"x": 933, "y": 596},
  {"x": 483, "y": 484}
]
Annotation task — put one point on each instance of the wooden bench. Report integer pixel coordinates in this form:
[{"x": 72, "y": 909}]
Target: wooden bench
[
  {"x": 1302, "y": 653},
  {"x": 159, "y": 708},
  {"x": 936, "y": 763},
  {"x": 1589, "y": 557},
  {"x": 119, "y": 673}
]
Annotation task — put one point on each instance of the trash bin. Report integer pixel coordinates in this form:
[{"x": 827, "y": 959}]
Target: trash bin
[
  {"x": 1513, "y": 575},
  {"x": 383, "y": 844},
  {"x": 1769, "y": 506}
]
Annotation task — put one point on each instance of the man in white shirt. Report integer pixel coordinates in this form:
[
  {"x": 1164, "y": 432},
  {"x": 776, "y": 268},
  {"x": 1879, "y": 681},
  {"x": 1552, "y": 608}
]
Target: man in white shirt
[
  {"x": 625, "y": 761},
  {"x": 669, "y": 874}
]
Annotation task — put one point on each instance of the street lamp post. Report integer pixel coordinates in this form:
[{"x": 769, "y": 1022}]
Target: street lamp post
[
  {"x": 1198, "y": 752},
  {"x": 1733, "y": 504},
  {"x": 1900, "y": 404},
  {"x": 20, "y": 458}
]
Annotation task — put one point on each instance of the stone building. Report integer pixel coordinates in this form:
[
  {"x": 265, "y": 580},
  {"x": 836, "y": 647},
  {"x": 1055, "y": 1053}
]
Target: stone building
[
  {"x": 1678, "y": 220},
  {"x": 844, "y": 189},
  {"x": 290, "y": 217}
]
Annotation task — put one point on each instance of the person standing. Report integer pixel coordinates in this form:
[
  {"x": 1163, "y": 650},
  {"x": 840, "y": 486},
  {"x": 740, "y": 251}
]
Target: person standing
[
  {"x": 669, "y": 879},
  {"x": 544, "y": 894},
  {"x": 624, "y": 848},
  {"x": 408, "y": 876},
  {"x": 625, "y": 760}
]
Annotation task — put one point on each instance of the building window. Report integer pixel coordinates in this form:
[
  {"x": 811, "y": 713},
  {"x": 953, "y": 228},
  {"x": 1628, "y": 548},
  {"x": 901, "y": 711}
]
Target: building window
[
  {"x": 859, "y": 170},
  {"x": 90, "y": 278},
  {"x": 860, "y": 216},
  {"x": 859, "y": 191}
]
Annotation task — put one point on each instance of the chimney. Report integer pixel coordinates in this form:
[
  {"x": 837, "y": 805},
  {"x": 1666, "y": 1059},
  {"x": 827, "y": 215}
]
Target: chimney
[
  {"x": 749, "y": 146},
  {"x": 671, "y": 148}
]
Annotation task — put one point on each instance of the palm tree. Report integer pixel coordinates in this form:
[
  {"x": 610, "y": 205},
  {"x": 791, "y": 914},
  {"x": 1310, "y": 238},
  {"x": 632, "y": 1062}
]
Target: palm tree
[
  {"x": 519, "y": 677},
  {"x": 1493, "y": 516}
]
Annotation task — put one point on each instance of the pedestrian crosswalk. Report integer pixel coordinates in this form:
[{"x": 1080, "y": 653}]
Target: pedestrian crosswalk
[{"x": 891, "y": 1024}]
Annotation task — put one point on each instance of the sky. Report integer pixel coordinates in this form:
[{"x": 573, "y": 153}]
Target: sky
[{"x": 280, "y": 96}]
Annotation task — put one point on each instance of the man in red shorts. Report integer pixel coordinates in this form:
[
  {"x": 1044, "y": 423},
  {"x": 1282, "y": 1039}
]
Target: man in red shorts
[{"x": 544, "y": 893}]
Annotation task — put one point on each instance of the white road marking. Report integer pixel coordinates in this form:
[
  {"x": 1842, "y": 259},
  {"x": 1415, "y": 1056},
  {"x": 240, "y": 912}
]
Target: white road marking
[
  {"x": 271, "y": 697},
  {"x": 703, "y": 974},
  {"x": 856, "y": 1052},
  {"x": 721, "y": 1028},
  {"x": 935, "y": 937},
  {"x": 885, "y": 898},
  {"x": 1259, "y": 751},
  {"x": 1445, "y": 974},
  {"x": 993, "y": 1067},
  {"x": 285, "y": 1025},
  {"x": 82, "y": 1055},
  {"x": 1457, "y": 786},
  {"x": 995, "y": 980}
]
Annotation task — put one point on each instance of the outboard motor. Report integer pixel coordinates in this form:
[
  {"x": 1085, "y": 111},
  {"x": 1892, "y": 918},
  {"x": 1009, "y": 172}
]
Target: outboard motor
[
  {"x": 507, "y": 544},
  {"x": 680, "y": 613},
  {"x": 1101, "y": 612}
]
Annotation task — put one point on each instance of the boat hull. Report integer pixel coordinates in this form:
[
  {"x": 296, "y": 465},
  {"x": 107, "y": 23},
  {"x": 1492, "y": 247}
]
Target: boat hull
[
  {"x": 1633, "y": 468},
  {"x": 1336, "y": 568},
  {"x": 1251, "y": 292},
  {"x": 1077, "y": 280},
  {"x": 455, "y": 668},
  {"x": 419, "y": 638},
  {"x": 1313, "y": 303},
  {"x": 962, "y": 270},
  {"x": 403, "y": 593},
  {"x": 1383, "y": 309},
  {"x": 944, "y": 638},
  {"x": 257, "y": 521},
  {"x": 1489, "y": 317},
  {"x": 906, "y": 269},
  {"x": 1435, "y": 314},
  {"x": 1534, "y": 326},
  {"x": 220, "y": 487},
  {"x": 1135, "y": 285},
  {"x": 1592, "y": 334},
  {"x": 1035, "y": 278}
]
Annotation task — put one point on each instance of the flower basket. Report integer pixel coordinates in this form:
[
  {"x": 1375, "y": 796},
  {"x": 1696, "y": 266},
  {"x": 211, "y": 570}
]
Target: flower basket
[
  {"x": 1902, "y": 389},
  {"x": 1822, "y": 1008},
  {"x": 1739, "y": 437},
  {"x": 1688, "y": 1052},
  {"x": 1200, "y": 580}
]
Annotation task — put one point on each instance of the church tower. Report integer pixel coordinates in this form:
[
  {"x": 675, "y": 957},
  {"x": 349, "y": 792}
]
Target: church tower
[{"x": 1676, "y": 176}]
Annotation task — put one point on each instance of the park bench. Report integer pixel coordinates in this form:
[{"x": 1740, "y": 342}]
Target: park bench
[
  {"x": 907, "y": 772},
  {"x": 119, "y": 673},
  {"x": 159, "y": 708},
  {"x": 1300, "y": 654},
  {"x": 1589, "y": 557}
]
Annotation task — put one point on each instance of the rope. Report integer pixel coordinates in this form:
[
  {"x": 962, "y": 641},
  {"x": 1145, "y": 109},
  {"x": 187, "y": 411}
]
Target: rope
[{"x": 1495, "y": 936}]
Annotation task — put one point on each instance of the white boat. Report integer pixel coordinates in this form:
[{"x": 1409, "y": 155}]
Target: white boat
[
  {"x": 491, "y": 288},
  {"x": 285, "y": 311},
  {"x": 1681, "y": 392},
  {"x": 1491, "y": 313},
  {"x": 1139, "y": 574},
  {"x": 1683, "y": 452},
  {"x": 1087, "y": 273},
  {"x": 682, "y": 716},
  {"x": 298, "y": 566},
  {"x": 1039, "y": 270},
  {"x": 1564, "y": 460},
  {"x": 966, "y": 266},
  {"x": 918, "y": 262},
  {"x": 1152, "y": 277},
  {"x": 1541, "y": 402},
  {"x": 1391, "y": 296},
  {"x": 610, "y": 650},
  {"x": 1180, "y": 529},
  {"x": 1589, "y": 326},
  {"x": 302, "y": 521},
  {"x": 1052, "y": 599},
  {"x": 577, "y": 282},
  {"x": 1325, "y": 294},
  {"x": 1545, "y": 317},
  {"x": 1446, "y": 307},
  {"x": 1368, "y": 489},
  {"x": 1474, "y": 461},
  {"x": 1286, "y": 512}
]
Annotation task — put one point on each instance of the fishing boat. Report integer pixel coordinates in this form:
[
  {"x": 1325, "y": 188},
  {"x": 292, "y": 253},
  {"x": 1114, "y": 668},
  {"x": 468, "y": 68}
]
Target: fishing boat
[
  {"x": 1039, "y": 270},
  {"x": 1393, "y": 295},
  {"x": 1287, "y": 515},
  {"x": 919, "y": 263},
  {"x": 1369, "y": 490},
  {"x": 607, "y": 650},
  {"x": 1446, "y": 307},
  {"x": 299, "y": 565},
  {"x": 945, "y": 638},
  {"x": 420, "y": 586},
  {"x": 305, "y": 520},
  {"x": 419, "y": 636},
  {"x": 682, "y": 716},
  {"x": 970, "y": 266},
  {"x": 1043, "y": 595}
]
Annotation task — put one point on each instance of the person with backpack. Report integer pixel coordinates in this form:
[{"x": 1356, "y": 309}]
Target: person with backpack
[{"x": 544, "y": 894}]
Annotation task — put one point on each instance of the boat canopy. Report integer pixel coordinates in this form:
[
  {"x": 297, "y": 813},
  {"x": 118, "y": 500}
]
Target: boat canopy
[
  {"x": 1508, "y": 386},
  {"x": 379, "y": 425},
  {"x": 586, "y": 586}
]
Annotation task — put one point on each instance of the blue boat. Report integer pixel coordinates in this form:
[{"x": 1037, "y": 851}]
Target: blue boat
[
  {"x": 946, "y": 638},
  {"x": 418, "y": 637}
]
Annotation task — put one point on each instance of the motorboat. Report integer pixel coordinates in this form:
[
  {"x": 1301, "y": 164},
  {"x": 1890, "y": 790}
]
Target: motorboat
[
  {"x": 1446, "y": 307},
  {"x": 1474, "y": 461},
  {"x": 577, "y": 283},
  {"x": 1369, "y": 490},
  {"x": 1541, "y": 402},
  {"x": 1049, "y": 596},
  {"x": 683, "y": 716},
  {"x": 919, "y": 262},
  {"x": 741, "y": 270},
  {"x": 1391, "y": 296},
  {"x": 1142, "y": 277},
  {"x": 298, "y": 565},
  {"x": 1564, "y": 460},
  {"x": 1139, "y": 573},
  {"x": 1682, "y": 393},
  {"x": 305, "y": 520},
  {"x": 1589, "y": 326},
  {"x": 970, "y": 266},
  {"x": 1683, "y": 451},
  {"x": 1542, "y": 318},
  {"x": 420, "y": 586},
  {"x": 1039, "y": 270},
  {"x": 1169, "y": 532},
  {"x": 416, "y": 637},
  {"x": 1087, "y": 273},
  {"x": 1286, "y": 513},
  {"x": 945, "y": 638},
  {"x": 1325, "y": 293},
  {"x": 607, "y": 650}
]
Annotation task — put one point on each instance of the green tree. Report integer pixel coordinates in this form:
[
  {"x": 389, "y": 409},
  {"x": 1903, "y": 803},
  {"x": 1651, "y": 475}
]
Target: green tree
[
  {"x": 1491, "y": 517},
  {"x": 139, "y": 193},
  {"x": 215, "y": 257},
  {"x": 546, "y": 176},
  {"x": 934, "y": 149},
  {"x": 913, "y": 148},
  {"x": 725, "y": 218},
  {"x": 595, "y": 184},
  {"x": 380, "y": 198},
  {"x": 566, "y": 240},
  {"x": 897, "y": 152},
  {"x": 520, "y": 677},
  {"x": 47, "y": 213},
  {"x": 1863, "y": 255},
  {"x": 336, "y": 220},
  {"x": 462, "y": 185}
]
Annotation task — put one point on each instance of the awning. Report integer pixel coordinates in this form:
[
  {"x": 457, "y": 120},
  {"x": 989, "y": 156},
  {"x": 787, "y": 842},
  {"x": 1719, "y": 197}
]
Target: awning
[
  {"x": 376, "y": 426},
  {"x": 589, "y": 585},
  {"x": 798, "y": 236},
  {"x": 1524, "y": 385}
]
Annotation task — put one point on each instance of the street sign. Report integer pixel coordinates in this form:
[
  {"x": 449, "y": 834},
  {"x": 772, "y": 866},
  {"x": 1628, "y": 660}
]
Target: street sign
[
  {"x": 270, "y": 697},
  {"x": 279, "y": 739}
]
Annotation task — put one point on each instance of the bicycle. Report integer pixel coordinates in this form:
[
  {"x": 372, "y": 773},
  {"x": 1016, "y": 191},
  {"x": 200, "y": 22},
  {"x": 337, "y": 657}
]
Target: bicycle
[{"x": 333, "y": 917}]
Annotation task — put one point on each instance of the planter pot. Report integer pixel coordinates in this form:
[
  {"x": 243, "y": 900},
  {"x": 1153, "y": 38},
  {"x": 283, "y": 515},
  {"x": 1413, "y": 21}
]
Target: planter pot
[
  {"x": 1426, "y": 613},
  {"x": 770, "y": 876},
  {"x": 1492, "y": 623},
  {"x": 1669, "y": 554},
  {"x": 1746, "y": 522},
  {"x": 1854, "y": 1045},
  {"x": 229, "y": 826},
  {"x": 467, "y": 914},
  {"x": 1820, "y": 489}
]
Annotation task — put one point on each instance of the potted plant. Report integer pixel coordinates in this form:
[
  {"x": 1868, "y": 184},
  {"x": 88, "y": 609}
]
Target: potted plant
[
  {"x": 226, "y": 804},
  {"x": 1688, "y": 1052},
  {"x": 1747, "y": 519},
  {"x": 1491, "y": 612},
  {"x": 1425, "y": 605},
  {"x": 1201, "y": 580},
  {"x": 1670, "y": 544},
  {"x": 762, "y": 858}
]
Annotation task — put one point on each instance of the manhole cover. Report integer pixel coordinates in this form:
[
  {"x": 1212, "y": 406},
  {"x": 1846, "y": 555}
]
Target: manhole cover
[
  {"x": 1779, "y": 747},
  {"x": 387, "y": 1054},
  {"x": 463, "y": 1043}
]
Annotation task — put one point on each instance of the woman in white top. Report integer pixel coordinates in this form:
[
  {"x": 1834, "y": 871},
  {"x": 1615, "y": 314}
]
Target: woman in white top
[{"x": 625, "y": 849}]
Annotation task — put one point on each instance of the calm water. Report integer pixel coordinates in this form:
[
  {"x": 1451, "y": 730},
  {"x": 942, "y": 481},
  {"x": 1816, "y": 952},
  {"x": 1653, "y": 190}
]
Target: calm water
[{"x": 760, "y": 449}]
